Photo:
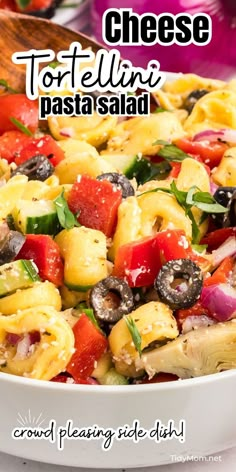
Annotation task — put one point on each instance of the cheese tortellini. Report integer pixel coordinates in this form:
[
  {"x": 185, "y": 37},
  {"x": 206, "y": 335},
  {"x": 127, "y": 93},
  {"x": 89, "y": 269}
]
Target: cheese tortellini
[{"x": 48, "y": 356}]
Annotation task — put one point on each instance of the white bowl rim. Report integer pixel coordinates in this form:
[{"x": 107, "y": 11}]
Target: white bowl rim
[{"x": 117, "y": 389}]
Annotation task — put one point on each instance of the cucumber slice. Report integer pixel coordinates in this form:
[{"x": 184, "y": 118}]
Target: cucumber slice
[
  {"x": 113, "y": 378},
  {"x": 17, "y": 275},
  {"x": 36, "y": 217},
  {"x": 139, "y": 167}
]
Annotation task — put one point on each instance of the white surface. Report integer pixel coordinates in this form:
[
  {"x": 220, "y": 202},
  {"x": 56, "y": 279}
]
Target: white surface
[{"x": 226, "y": 464}]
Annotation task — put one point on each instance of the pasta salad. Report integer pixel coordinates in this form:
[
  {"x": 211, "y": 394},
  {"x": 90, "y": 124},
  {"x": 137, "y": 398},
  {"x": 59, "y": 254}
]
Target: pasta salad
[{"x": 118, "y": 239}]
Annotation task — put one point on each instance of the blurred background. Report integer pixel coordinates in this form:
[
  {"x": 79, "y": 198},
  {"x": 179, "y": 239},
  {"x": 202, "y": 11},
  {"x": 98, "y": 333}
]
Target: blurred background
[{"x": 218, "y": 59}]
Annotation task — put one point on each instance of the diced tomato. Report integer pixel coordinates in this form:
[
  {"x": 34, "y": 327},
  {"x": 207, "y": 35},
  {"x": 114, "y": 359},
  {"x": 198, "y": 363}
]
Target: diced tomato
[
  {"x": 11, "y": 143},
  {"x": 195, "y": 310},
  {"x": 221, "y": 274},
  {"x": 158, "y": 378},
  {"x": 218, "y": 237},
  {"x": 90, "y": 344},
  {"x": 138, "y": 262},
  {"x": 45, "y": 252},
  {"x": 45, "y": 145},
  {"x": 96, "y": 202},
  {"x": 18, "y": 106},
  {"x": 210, "y": 153}
]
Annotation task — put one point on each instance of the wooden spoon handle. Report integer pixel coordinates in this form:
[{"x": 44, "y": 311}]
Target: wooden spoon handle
[{"x": 21, "y": 33}]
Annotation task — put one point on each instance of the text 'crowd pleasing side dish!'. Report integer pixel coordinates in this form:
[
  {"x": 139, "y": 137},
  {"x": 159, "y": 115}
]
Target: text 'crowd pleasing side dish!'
[{"x": 118, "y": 239}]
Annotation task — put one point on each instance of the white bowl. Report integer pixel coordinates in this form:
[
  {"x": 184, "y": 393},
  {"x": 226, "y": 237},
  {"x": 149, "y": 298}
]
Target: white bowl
[{"x": 206, "y": 404}]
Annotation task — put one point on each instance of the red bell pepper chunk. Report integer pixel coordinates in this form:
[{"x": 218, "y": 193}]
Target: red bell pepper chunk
[
  {"x": 218, "y": 237},
  {"x": 195, "y": 310},
  {"x": 45, "y": 145},
  {"x": 172, "y": 245},
  {"x": 21, "y": 108},
  {"x": 139, "y": 262},
  {"x": 45, "y": 252},
  {"x": 90, "y": 344},
  {"x": 210, "y": 153},
  {"x": 176, "y": 168},
  {"x": 11, "y": 143},
  {"x": 221, "y": 274},
  {"x": 96, "y": 202}
]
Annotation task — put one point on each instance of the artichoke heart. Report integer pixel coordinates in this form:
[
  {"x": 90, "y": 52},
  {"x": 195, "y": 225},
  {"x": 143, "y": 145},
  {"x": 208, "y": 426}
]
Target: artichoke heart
[{"x": 200, "y": 352}]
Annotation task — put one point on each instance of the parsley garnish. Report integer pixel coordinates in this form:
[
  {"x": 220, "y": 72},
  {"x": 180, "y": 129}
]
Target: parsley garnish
[
  {"x": 54, "y": 64},
  {"x": 204, "y": 201},
  {"x": 200, "y": 248},
  {"x": 135, "y": 334},
  {"x": 20, "y": 126},
  {"x": 66, "y": 218},
  {"x": 4, "y": 83},
  {"x": 160, "y": 110},
  {"x": 170, "y": 152}
]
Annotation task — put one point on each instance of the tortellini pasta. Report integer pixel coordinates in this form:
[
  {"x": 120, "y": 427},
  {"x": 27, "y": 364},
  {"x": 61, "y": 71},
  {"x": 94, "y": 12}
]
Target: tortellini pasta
[
  {"x": 216, "y": 110},
  {"x": 49, "y": 356},
  {"x": 225, "y": 173},
  {"x": 186, "y": 83},
  {"x": 41, "y": 293},
  {"x": 155, "y": 323},
  {"x": 94, "y": 129},
  {"x": 139, "y": 134}
]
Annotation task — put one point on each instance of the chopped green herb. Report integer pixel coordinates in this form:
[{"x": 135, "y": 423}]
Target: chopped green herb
[
  {"x": 170, "y": 152},
  {"x": 135, "y": 334},
  {"x": 160, "y": 110},
  {"x": 200, "y": 248},
  {"x": 4, "y": 83},
  {"x": 20, "y": 126},
  {"x": 54, "y": 64},
  {"x": 204, "y": 201},
  {"x": 83, "y": 308},
  {"x": 66, "y": 218},
  {"x": 90, "y": 314}
]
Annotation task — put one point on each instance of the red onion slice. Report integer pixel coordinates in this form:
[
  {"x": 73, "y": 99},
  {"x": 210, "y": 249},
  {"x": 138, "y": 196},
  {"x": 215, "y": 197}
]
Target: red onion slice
[
  {"x": 227, "y": 135},
  {"x": 67, "y": 132},
  {"x": 220, "y": 300},
  {"x": 194, "y": 322},
  {"x": 228, "y": 248}
]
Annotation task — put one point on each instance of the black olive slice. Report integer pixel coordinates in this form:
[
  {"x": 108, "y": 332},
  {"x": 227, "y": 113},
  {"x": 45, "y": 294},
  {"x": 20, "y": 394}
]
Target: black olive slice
[
  {"x": 226, "y": 196},
  {"x": 105, "y": 307},
  {"x": 193, "y": 98},
  {"x": 36, "y": 168},
  {"x": 10, "y": 246},
  {"x": 120, "y": 181},
  {"x": 187, "y": 293},
  {"x": 230, "y": 219}
]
